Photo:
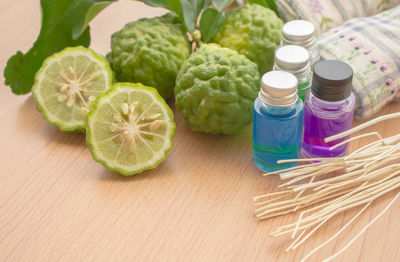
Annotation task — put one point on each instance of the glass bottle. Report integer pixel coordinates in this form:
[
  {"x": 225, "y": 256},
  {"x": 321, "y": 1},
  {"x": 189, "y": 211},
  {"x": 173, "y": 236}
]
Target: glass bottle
[
  {"x": 301, "y": 33},
  {"x": 278, "y": 121},
  {"x": 296, "y": 60},
  {"x": 329, "y": 109}
]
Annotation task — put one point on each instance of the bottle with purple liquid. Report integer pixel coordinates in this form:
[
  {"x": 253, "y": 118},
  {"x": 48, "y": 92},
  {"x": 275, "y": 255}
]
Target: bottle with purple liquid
[{"x": 329, "y": 109}]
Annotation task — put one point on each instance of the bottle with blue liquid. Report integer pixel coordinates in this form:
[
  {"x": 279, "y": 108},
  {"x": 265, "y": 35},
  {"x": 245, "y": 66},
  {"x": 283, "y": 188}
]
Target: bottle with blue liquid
[{"x": 278, "y": 122}]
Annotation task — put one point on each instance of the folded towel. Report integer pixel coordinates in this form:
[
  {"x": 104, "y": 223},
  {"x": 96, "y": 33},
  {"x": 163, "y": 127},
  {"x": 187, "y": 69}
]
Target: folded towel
[
  {"x": 326, "y": 14},
  {"x": 372, "y": 47}
]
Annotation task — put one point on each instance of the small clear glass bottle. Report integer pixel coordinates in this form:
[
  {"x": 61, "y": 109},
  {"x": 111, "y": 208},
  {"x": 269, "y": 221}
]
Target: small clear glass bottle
[
  {"x": 278, "y": 121},
  {"x": 302, "y": 33},
  {"x": 329, "y": 109},
  {"x": 296, "y": 60}
]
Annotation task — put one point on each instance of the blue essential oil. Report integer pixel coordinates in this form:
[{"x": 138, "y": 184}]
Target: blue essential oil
[{"x": 278, "y": 122}]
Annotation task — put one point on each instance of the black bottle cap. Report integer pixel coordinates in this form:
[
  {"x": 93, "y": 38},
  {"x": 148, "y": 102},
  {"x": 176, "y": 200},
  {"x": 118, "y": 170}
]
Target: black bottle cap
[{"x": 332, "y": 80}]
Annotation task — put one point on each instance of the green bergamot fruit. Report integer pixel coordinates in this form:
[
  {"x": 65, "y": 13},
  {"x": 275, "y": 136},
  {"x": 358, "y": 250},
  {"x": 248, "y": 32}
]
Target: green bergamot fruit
[
  {"x": 253, "y": 31},
  {"x": 150, "y": 51},
  {"x": 215, "y": 90}
]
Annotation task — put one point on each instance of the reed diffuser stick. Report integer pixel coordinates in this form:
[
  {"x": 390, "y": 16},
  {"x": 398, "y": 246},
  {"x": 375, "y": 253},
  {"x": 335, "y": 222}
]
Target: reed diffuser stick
[{"x": 331, "y": 186}]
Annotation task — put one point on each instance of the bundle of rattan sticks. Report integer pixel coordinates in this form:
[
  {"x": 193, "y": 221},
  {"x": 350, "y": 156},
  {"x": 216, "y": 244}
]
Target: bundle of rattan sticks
[{"x": 329, "y": 186}]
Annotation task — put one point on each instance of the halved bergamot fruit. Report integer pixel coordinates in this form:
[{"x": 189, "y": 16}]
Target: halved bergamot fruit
[
  {"x": 130, "y": 128},
  {"x": 67, "y": 84}
]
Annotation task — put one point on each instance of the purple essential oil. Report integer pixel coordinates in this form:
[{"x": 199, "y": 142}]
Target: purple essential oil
[{"x": 329, "y": 109}]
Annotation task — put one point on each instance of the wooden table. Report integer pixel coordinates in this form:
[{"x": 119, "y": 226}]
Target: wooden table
[{"x": 57, "y": 204}]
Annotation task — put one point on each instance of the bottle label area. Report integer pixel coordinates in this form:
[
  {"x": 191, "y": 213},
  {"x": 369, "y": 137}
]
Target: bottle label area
[{"x": 276, "y": 137}]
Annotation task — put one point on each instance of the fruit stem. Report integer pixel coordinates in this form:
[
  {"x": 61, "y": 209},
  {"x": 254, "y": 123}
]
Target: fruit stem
[{"x": 197, "y": 40}]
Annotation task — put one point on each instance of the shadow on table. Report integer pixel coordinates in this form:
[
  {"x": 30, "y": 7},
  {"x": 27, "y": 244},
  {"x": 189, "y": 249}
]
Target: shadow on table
[
  {"x": 28, "y": 116},
  {"x": 213, "y": 150},
  {"x": 191, "y": 147},
  {"x": 161, "y": 171},
  {"x": 30, "y": 121}
]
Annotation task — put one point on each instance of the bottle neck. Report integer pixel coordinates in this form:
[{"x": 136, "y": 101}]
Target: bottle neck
[
  {"x": 316, "y": 102},
  {"x": 307, "y": 43},
  {"x": 274, "y": 101},
  {"x": 302, "y": 74},
  {"x": 267, "y": 109}
]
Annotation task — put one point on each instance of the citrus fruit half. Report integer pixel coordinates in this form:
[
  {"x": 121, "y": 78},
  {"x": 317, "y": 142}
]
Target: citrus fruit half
[
  {"x": 130, "y": 128},
  {"x": 67, "y": 84}
]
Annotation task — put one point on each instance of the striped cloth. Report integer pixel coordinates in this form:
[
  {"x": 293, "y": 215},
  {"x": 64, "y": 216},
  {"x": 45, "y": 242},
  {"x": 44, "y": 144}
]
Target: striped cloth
[
  {"x": 372, "y": 47},
  {"x": 326, "y": 14}
]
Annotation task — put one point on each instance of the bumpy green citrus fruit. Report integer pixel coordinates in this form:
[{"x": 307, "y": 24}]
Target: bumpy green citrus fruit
[
  {"x": 253, "y": 31},
  {"x": 130, "y": 129},
  {"x": 215, "y": 90},
  {"x": 150, "y": 51},
  {"x": 66, "y": 85}
]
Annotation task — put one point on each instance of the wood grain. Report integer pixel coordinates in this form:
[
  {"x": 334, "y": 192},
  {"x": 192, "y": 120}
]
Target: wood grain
[{"x": 57, "y": 204}]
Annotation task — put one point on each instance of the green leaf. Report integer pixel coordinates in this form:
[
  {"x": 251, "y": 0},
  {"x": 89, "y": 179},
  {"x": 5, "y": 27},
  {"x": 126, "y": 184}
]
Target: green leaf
[
  {"x": 271, "y": 4},
  {"x": 176, "y": 7},
  {"x": 210, "y": 22},
  {"x": 156, "y": 3},
  {"x": 259, "y": 2},
  {"x": 61, "y": 20},
  {"x": 187, "y": 10},
  {"x": 87, "y": 11},
  {"x": 207, "y": 3},
  {"x": 172, "y": 5},
  {"x": 189, "y": 14},
  {"x": 266, "y": 3},
  {"x": 221, "y": 4},
  {"x": 200, "y": 5}
]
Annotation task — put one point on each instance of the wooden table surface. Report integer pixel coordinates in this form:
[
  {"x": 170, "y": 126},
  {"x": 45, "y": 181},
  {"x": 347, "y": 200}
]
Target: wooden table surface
[{"x": 57, "y": 204}]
